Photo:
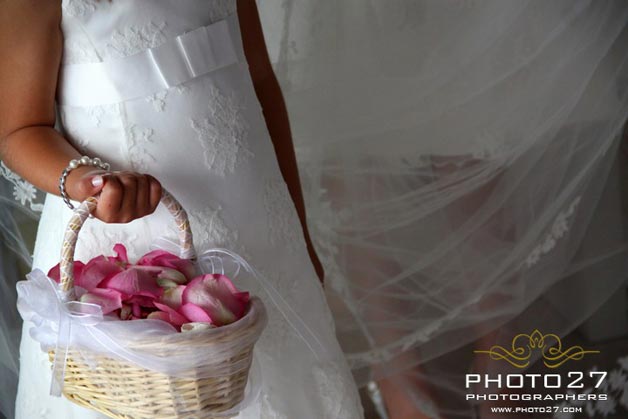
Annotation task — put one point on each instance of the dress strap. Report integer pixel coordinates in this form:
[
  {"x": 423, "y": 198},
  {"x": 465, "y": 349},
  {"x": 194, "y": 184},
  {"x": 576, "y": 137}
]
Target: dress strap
[{"x": 174, "y": 62}]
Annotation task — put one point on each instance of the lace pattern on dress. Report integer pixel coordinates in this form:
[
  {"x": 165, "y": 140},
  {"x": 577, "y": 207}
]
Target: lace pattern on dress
[
  {"x": 283, "y": 224},
  {"x": 79, "y": 8},
  {"x": 133, "y": 39},
  {"x": 223, "y": 133},
  {"x": 79, "y": 50},
  {"x": 333, "y": 385},
  {"x": 23, "y": 192},
  {"x": 138, "y": 141},
  {"x": 222, "y": 8},
  {"x": 158, "y": 100},
  {"x": 278, "y": 331},
  {"x": 268, "y": 411},
  {"x": 210, "y": 230},
  {"x": 559, "y": 229},
  {"x": 616, "y": 389},
  {"x": 100, "y": 241}
]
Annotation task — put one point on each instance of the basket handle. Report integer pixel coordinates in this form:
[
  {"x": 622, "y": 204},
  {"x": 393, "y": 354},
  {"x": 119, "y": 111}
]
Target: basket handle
[{"x": 82, "y": 212}]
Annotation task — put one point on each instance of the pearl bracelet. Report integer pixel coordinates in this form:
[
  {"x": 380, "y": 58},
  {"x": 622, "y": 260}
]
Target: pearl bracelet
[{"x": 74, "y": 163}]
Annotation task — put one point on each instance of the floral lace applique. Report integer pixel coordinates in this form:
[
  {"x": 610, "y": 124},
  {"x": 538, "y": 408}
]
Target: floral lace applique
[
  {"x": 158, "y": 100},
  {"x": 278, "y": 331},
  {"x": 133, "y": 39},
  {"x": 489, "y": 144},
  {"x": 29, "y": 406},
  {"x": 277, "y": 334},
  {"x": 100, "y": 240},
  {"x": 94, "y": 115},
  {"x": 223, "y": 133},
  {"x": 333, "y": 385},
  {"x": 268, "y": 411},
  {"x": 363, "y": 359},
  {"x": 221, "y": 9},
  {"x": 98, "y": 113},
  {"x": 79, "y": 8},
  {"x": 77, "y": 45},
  {"x": 182, "y": 89},
  {"x": 615, "y": 387},
  {"x": 283, "y": 223},
  {"x": 559, "y": 228},
  {"x": 23, "y": 192},
  {"x": 324, "y": 223},
  {"x": 138, "y": 140},
  {"x": 210, "y": 230},
  {"x": 78, "y": 50}
]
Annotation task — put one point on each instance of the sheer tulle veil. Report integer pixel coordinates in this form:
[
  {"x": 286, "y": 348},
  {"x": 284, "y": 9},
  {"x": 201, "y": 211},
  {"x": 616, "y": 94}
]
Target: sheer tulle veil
[
  {"x": 460, "y": 169},
  {"x": 20, "y": 205},
  {"x": 460, "y": 165}
]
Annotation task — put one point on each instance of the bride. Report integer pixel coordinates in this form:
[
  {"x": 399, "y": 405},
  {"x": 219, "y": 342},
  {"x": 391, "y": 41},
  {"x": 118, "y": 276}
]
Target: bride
[{"x": 180, "y": 96}]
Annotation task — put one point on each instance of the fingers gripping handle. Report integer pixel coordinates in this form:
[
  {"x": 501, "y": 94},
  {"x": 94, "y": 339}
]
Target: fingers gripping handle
[{"x": 82, "y": 212}]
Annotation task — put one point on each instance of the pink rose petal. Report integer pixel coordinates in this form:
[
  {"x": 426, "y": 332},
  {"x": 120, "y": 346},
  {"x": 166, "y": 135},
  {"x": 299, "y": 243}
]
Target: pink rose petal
[
  {"x": 134, "y": 282},
  {"x": 175, "y": 318},
  {"x": 97, "y": 270},
  {"x": 165, "y": 276},
  {"x": 109, "y": 300},
  {"x": 168, "y": 260},
  {"x": 195, "y": 313},
  {"x": 217, "y": 295},
  {"x": 244, "y": 297},
  {"x": 121, "y": 254},
  {"x": 136, "y": 309},
  {"x": 142, "y": 300},
  {"x": 201, "y": 296}
]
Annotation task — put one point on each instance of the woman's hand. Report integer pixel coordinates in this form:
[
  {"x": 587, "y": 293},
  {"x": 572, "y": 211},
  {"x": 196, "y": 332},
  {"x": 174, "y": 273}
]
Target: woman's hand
[{"x": 124, "y": 196}]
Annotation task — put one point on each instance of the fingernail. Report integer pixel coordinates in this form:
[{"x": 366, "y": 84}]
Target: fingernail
[{"x": 97, "y": 181}]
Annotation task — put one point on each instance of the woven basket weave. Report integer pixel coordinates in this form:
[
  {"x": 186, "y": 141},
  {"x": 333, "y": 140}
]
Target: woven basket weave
[{"x": 119, "y": 389}]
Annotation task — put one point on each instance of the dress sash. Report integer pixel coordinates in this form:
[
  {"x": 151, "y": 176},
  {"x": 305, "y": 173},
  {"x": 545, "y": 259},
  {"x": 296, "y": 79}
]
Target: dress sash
[{"x": 176, "y": 61}]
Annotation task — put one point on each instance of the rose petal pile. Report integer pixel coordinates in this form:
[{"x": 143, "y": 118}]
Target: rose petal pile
[{"x": 159, "y": 286}]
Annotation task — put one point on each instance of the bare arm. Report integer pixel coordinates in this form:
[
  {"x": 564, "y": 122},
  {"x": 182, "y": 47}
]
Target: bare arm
[
  {"x": 31, "y": 45},
  {"x": 269, "y": 94}
]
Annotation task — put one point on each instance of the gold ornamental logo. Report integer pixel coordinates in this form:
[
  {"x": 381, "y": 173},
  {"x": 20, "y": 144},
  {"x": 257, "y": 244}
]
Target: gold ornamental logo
[{"x": 524, "y": 345}]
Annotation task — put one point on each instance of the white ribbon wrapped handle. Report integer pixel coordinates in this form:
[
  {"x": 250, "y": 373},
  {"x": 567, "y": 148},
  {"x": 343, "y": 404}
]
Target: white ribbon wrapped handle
[{"x": 81, "y": 213}]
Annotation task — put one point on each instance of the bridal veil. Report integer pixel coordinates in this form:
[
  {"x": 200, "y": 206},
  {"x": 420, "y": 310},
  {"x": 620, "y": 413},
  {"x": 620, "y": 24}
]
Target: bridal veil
[{"x": 462, "y": 168}]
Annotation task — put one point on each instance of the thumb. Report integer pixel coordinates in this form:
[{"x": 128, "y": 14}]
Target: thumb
[
  {"x": 90, "y": 185},
  {"x": 84, "y": 182},
  {"x": 96, "y": 183}
]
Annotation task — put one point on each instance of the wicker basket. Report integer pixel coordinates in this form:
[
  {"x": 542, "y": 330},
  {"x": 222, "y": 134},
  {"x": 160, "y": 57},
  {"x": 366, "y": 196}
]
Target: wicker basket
[{"x": 119, "y": 389}]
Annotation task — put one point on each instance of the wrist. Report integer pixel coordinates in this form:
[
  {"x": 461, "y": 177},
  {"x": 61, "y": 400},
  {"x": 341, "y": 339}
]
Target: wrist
[{"x": 82, "y": 184}]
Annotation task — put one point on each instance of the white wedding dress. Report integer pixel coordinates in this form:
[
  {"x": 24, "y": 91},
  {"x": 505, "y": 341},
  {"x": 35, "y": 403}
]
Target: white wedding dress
[{"x": 194, "y": 122}]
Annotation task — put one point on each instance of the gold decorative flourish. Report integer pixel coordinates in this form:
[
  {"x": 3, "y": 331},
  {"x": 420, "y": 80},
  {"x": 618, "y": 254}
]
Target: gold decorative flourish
[{"x": 524, "y": 345}]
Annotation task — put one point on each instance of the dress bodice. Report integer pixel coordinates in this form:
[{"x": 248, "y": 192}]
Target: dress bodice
[{"x": 99, "y": 30}]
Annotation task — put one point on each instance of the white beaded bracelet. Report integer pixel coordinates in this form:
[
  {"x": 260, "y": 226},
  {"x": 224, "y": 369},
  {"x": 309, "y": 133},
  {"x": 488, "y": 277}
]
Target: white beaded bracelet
[{"x": 74, "y": 163}]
